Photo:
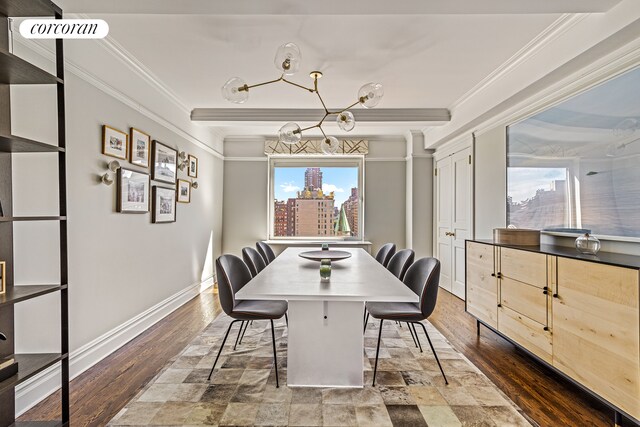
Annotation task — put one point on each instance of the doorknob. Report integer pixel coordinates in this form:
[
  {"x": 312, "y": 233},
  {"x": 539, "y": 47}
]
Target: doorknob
[{"x": 448, "y": 233}]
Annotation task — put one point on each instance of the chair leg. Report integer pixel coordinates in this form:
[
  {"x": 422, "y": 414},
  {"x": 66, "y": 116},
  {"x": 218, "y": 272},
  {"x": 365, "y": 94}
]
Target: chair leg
[
  {"x": 366, "y": 319},
  {"x": 275, "y": 359},
  {"x": 246, "y": 326},
  {"x": 221, "y": 346},
  {"x": 238, "y": 337},
  {"x": 413, "y": 337},
  {"x": 375, "y": 368},
  {"x": 417, "y": 337},
  {"x": 286, "y": 319},
  {"x": 434, "y": 352}
]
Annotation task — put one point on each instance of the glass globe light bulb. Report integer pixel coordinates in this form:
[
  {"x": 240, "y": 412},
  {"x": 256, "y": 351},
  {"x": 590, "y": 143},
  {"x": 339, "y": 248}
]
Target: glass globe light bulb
[
  {"x": 235, "y": 90},
  {"x": 626, "y": 128},
  {"x": 290, "y": 133},
  {"x": 346, "y": 121},
  {"x": 288, "y": 58},
  {"x": 330, "y": 145},
  {"x": 370, "y": 94}
]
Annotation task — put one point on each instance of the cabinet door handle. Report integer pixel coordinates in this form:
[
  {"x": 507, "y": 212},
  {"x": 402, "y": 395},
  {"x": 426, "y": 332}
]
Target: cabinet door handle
[
  {"x": 555, "y": 296},
  {"x": 499, "y": 305},
  {"x": 545, "y": 292},
  {"x": 493, "y": 274},
  {"x": 499, "y": 275},
  {"x": 546, "y": 328}
]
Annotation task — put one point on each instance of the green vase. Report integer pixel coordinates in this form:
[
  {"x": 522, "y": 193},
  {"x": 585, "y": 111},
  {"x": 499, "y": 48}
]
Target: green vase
[{"x": 325, "y": 269}]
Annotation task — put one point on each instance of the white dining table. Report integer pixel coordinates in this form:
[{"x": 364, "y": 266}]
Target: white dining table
[{"x": 325, "y": 336}]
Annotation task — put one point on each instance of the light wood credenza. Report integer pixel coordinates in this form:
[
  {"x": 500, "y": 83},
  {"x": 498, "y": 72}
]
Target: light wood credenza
[{"x": 579, "y": 314}]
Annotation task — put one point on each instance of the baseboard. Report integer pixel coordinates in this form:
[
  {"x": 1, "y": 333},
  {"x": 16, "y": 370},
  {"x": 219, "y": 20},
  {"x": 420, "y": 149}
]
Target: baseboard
[{"x": 34, "y": 390}]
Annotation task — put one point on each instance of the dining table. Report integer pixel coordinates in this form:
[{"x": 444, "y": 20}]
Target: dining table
[{"x": 325, "y": 345}]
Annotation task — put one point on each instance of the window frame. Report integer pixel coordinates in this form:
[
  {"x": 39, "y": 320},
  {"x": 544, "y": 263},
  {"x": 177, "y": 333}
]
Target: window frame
[{"x": 321, "y": 161}]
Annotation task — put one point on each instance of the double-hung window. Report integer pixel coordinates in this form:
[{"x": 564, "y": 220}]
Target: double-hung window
[{"x": 316, "y": 197}]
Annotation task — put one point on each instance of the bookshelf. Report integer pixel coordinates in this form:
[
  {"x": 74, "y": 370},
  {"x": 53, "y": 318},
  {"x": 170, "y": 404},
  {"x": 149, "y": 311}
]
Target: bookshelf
[{"x": 16, "y": 71}]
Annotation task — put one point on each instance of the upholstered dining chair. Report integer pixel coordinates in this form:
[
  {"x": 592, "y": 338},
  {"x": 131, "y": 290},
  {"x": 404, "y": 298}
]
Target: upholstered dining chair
[
  {"x": 400, "y": 262},
  {"x": 385, "y": 253},
  {"x": 233, "y": 274},
  {"x": 398, "y": 265},
  {"x": 422, "y": 278},
  {"x": 266, "y": 252},
  {"x": 254, "y": 261}
]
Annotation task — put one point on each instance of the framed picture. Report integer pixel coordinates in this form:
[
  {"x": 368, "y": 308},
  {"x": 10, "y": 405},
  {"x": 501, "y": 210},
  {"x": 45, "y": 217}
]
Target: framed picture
[
  {"x": 140, "y": 148},
  {"x": 193, "y": 166},
  {"x": 165, "y": 160},
  {"x": 114, "y": 142},
  {"x": 3, "y": 271},
  {"x": 164, "y": 205},
  {"x": 133, "y": 191},
  {"x": 184, "y": 191}
]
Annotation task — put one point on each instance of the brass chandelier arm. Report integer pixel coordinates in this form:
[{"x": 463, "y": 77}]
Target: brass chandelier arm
[
  {"x": 247, "y": 87},
  {"x": 296, "y": 84},
  {"x": 345, "y": 109}
]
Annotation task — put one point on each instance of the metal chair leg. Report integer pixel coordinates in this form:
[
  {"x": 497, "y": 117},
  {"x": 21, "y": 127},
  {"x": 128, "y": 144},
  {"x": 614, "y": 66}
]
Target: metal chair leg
[
  {"x": 275, "y": 359},
  {"x": 417, "y": 337},
  {"x": 412, "y": 336},
  {"x": 434, "y": 352},
  {"x": 366, "y": 320},
  {"x": 286, "y": 319},
  {"x": 246, "y": 326},
  {"x": 375, "y": 368},
  {"x": 238, "y": 337},
  {"x": 221, "y": 346}
]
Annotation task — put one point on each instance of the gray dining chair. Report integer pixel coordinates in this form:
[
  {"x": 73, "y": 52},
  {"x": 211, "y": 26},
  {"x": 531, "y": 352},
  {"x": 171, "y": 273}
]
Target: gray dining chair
[
  {"x": 254, "y": 261},
  {"x": 398, "y": 265},
  {"x": 422, "y": 278},
  {"x": 385, "y": 253},
  {"x": 233, "y": 274},
  {"x": 267, "y": 253}
]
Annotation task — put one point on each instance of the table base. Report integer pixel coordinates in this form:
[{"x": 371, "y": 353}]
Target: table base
[{"x": 325, "y": 344}]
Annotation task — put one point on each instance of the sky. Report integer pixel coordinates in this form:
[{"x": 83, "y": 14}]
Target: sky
[
  {"x": 288, "y": 181},
  {"x": 524, "y": 182}
]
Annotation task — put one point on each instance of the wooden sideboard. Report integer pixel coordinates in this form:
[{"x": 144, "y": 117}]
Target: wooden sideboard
[{"x": 579, "y": 314}]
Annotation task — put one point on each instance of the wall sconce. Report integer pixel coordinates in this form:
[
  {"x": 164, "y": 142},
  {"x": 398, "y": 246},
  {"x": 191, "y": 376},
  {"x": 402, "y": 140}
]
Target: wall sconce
[
  {"x": 184, "y": 162},
  {"x": 194, "y": 185},
  {"x": 113, "y": 166}
]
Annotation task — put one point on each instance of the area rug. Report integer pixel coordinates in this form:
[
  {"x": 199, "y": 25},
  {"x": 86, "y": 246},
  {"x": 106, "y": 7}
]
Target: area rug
[{"x": 409, "y": 391}]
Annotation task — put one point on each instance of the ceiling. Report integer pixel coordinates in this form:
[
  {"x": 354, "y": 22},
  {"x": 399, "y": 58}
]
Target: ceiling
[{"x": 426, "y": 54}]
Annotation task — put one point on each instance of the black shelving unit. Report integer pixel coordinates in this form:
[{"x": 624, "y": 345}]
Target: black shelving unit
[{"x": 16, "y": 71}]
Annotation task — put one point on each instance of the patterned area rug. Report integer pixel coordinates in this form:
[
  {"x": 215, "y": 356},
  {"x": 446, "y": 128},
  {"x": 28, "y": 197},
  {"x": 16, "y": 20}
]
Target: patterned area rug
[{"x": 409, "y": 391}]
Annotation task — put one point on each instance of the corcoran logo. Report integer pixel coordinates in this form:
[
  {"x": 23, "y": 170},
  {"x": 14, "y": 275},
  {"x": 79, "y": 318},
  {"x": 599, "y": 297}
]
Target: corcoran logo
[{"x": 64, "y": 29}]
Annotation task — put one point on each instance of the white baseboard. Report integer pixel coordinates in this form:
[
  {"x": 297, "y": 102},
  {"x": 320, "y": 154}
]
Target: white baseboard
[{"x": 34, "y": 390}]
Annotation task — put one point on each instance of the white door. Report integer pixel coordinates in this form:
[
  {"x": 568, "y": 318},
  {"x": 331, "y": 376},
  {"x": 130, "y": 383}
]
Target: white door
[
  {"x": 444, "y": 190},
  {"x": 453, "y": 218},
  {"x": 461, "y": 218}
]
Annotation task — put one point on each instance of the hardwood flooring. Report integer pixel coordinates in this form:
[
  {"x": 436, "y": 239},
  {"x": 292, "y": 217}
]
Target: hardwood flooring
[{"x": 547, "y": 399}]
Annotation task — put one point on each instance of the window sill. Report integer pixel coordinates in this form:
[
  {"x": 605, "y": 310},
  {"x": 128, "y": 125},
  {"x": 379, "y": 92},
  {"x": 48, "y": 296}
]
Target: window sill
[{"x": 309, "y": 242}]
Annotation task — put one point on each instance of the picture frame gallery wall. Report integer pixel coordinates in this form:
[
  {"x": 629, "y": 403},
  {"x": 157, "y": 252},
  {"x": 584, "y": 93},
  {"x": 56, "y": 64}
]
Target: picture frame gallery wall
[{"x": 136, "y": 189}]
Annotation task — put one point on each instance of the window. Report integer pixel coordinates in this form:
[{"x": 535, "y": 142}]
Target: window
[{"x": 316, "y": 197}]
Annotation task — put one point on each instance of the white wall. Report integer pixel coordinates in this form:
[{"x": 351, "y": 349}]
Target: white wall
[
  {"x": 120, "y": 265},
  {"x": 246, "y": 193}
]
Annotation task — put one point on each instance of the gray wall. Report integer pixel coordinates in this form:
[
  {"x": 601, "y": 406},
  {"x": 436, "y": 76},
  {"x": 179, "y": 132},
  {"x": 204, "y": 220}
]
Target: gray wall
[
  {"x": 490, "y": 182},
  {"x": 246, "y": 193},
  {"x": 119, "y": 264}
]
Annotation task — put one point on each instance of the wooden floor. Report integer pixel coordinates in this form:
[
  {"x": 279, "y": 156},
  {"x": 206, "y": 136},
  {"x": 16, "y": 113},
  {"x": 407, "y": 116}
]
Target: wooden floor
[{"x": 99, "y": 393}]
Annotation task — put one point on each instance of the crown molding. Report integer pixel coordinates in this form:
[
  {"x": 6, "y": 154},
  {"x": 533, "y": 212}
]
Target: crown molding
[
  {"x": 380, "y": 115},
  {"x": 615, "y": 63},
  {"x": 115, "y": 93},
  {"x": 560, "y": 26}
]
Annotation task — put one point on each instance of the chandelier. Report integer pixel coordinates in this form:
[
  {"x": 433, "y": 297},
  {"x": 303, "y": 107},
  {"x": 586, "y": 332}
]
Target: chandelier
[{"x": 287, "y": 61}]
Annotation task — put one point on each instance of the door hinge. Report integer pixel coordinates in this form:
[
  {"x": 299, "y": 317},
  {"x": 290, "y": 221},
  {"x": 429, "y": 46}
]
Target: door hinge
[
  {"x": 469, "y": 158},
  {"x": 435, "y": 172}
]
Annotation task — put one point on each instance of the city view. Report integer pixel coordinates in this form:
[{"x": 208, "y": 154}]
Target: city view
[{"x": 315, "y": 202}]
